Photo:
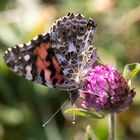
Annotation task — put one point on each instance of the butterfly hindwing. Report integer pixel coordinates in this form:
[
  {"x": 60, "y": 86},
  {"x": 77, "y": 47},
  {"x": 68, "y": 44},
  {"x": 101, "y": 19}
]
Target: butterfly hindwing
[
  {"x": 71, "y": 38},
  {"x": 35, "y": 61}
]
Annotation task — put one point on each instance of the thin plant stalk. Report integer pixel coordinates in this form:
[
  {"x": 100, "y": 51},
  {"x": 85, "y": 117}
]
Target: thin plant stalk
[{"x": 112, "y": 126}]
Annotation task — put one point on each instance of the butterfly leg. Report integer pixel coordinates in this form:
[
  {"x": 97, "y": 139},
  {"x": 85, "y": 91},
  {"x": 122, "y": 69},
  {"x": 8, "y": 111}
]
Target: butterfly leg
[{"x": 74, "y": 94}]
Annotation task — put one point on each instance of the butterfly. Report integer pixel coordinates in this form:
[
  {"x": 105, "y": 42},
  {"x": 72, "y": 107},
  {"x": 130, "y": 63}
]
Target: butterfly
[{"x": 60, "y": 58}]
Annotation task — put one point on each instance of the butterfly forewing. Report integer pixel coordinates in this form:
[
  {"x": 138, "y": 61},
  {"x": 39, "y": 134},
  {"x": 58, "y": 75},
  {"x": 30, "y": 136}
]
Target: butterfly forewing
[{"x": 35, "y": 61}]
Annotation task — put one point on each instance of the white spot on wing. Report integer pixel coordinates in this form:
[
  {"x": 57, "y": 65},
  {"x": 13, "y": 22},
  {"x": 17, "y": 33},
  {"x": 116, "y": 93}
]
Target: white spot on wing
[
  {"x": 26, "y": 57},
  {"x": 72, "y": 48},
  {"x": 60, "y": 58},
  {"x": 19, "y": 57},
  {"x": 28, "y": 44},
  {"x": 20, "y": 45},
  {"x": 15, "y": 69},
  {"x": 6, "y": 52},
  {"x": 35, "y": 38},
  {"x": 80, "y": 37},
  {"x": 66, "y": 71},
  {"x": 43, "y": 34},
  {"x": 28, "y": 73},
  {"x": 9, "y": 49}
]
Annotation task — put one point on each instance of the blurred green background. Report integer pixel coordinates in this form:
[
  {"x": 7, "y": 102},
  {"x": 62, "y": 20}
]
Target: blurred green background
[{"x": 25, "y": 106}]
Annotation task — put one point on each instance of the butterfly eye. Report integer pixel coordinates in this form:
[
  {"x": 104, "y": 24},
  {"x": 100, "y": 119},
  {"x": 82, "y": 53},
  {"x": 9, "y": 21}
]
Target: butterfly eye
[{"x": 82, "y": 29}]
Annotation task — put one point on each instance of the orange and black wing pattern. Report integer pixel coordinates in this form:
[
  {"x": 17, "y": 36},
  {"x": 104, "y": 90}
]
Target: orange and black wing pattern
[{"x": 35, "y": 61}]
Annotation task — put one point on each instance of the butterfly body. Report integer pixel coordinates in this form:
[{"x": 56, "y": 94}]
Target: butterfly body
[{"x": 60, "y": 58}]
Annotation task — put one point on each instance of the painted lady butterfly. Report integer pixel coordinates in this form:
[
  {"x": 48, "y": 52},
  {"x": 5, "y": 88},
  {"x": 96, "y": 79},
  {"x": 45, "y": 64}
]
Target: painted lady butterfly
[{"x": 60, "y": 58}]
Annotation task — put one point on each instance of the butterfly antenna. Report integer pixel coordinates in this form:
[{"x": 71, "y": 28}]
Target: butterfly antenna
[
  {"x": 54, "y": 114},
  {"x": 73, "y": 120}
]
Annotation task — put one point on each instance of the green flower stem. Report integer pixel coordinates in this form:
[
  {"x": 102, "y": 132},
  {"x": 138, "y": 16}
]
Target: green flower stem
[{"x": 112, "y": 126}]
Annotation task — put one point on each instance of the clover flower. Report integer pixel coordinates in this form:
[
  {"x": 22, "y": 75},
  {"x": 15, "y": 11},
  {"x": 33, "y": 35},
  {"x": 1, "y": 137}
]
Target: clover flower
[{"x": 106, "y": 90}]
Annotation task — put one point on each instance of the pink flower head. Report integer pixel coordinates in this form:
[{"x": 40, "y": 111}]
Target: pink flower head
[{"x": 106, "y": 90}]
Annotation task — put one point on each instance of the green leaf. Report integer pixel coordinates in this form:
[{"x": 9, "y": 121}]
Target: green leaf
[
  {"x": 90, "y": 134},
  {"x": 84, "y": 113},
  {"x": 131, "y": 70}
]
